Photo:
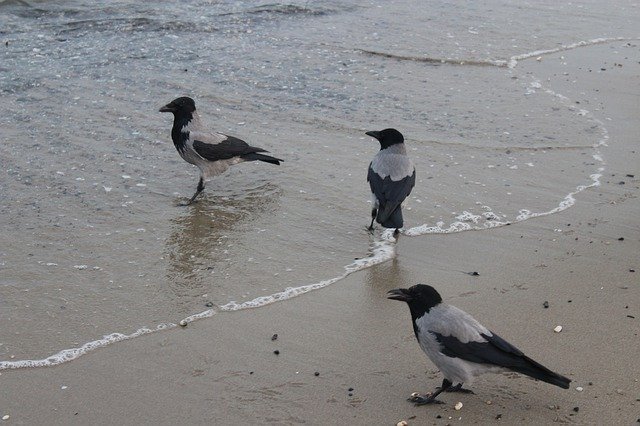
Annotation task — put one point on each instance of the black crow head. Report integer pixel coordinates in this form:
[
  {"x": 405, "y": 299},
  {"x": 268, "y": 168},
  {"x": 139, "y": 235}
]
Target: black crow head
[
  {"x": 420, "y": 298},
  {"x": 180, "y": 106},
  {"x": 387, "y": 137}
]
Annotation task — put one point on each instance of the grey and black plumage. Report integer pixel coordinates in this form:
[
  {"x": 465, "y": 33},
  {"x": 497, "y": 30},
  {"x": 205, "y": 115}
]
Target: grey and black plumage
[
  {"x": 391, "y": 178},
  {"x": 212, "y": 152},
  {"x": 460, "y": 346}
]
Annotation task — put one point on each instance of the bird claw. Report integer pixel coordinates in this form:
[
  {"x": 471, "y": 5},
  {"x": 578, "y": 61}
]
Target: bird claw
[
  {"x": 418, "y": 399},
  {"x": 413, "y": 398}
]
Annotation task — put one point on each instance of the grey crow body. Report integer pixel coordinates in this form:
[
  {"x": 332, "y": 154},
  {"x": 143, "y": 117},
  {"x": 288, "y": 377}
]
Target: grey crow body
[
  {"x": 212, "y": 152},
  {"x": 460, "y": 346},
  {"x": 391, "y": 177}
]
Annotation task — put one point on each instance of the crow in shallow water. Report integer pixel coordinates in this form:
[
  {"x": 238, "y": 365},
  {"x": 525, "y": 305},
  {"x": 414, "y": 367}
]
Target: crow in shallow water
[
  {"x": 391, "y": 178},
  {"x": 212, "y": 152},
  {"x": 460, "y": 346}
]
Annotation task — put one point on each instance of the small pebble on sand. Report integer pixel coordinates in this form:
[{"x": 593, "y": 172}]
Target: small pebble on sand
[
  {"x": 579, "y": 388},
  {"x": 5, "y": 417},
  {"x": 558, "y": 328},
  {"x": 402, "y": 423},
  {"x": 183, "y": 323},
  {"x": 458, "y": 406}
]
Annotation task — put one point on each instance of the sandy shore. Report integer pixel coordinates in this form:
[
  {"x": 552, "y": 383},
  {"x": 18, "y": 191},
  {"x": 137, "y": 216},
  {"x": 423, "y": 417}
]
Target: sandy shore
[{"x": 347, "y": 355}]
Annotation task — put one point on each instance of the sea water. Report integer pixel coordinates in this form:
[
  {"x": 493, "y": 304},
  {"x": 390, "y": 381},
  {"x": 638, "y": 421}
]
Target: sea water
[{"x": 94, "y": 248}]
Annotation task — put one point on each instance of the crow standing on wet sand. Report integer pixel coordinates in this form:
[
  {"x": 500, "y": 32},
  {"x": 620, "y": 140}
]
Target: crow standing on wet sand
[
  {"x": 460, "y": 346},
  {"x": 212, "y": 152},
  {"x": 391, "y": 178}
]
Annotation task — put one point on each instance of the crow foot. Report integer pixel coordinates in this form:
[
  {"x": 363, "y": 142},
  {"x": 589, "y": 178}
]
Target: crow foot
[{"x": 422, "y": 400}]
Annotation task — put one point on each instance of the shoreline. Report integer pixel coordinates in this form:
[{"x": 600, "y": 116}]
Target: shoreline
[{"x": 356, "y": 339}]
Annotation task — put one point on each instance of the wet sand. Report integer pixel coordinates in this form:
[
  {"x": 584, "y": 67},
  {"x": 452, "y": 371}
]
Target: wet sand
[{"x": 224, "y": 369}]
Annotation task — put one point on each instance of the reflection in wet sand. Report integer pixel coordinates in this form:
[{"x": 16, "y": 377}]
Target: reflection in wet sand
[
  {"x": 385, "y": 276},
  {"x": 200, "y": 244}
]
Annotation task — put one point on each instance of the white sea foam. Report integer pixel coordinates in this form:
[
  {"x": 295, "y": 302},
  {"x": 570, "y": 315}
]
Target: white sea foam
[
  {"x": 195, "y": 317},
  {"x": 513, "y": 61},
  {"x": 462, "y": 223},
  {"x": 442, "y": 228},
  {"x": 468, "y": 217},
  {"x": 67, "y": 355},
  {"x": 382, "y": 248}
]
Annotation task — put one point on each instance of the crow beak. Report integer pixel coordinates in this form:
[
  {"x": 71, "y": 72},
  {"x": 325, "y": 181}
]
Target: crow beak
[
  {"x": 373, "y": 134},
  {"x": 168, "y": 108},
  {"x": 400, "y": 294}
]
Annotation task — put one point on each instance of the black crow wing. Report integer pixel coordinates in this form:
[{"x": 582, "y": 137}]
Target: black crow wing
[
  {"x": 229, "y": 148},
  {"x": 497, "y": 351},
  {"x": 389, "y": 193},
  {"x": 492, "y": 350}
]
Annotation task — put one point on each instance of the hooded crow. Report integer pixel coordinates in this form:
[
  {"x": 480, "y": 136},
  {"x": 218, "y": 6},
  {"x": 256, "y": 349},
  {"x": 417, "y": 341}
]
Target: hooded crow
[
  {"x": 391, "y": 178},
  {"x": 460, "y": 346},
  {"x": 212, "y": 152}
]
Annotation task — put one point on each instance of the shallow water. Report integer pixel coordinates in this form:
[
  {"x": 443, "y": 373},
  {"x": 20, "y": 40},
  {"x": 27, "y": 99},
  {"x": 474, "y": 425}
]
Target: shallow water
[{"x": 93, "y": 241}]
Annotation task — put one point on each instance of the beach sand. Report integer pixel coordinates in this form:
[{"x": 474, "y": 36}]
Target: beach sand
[{"x": 223, "y": 370}]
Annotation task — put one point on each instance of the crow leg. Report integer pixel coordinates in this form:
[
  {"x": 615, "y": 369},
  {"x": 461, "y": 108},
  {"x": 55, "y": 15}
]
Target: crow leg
[
  {"x": 459, "y": 388},
  {"x": 431, "y": 399},
  {"x": 374, "y": 213},
  {"x": 199, "y": 189}
]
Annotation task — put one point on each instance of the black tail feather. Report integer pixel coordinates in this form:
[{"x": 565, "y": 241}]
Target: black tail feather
[
  {"x": 262, "y": 157},
  {"x": 538, "y": 371},
  {"x": 390, "y": 217}
]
